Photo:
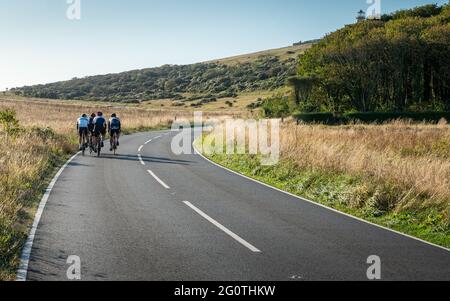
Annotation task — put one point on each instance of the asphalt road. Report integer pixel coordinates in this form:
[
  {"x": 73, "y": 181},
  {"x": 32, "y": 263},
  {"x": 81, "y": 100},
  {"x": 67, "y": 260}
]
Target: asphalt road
[{"x": 168, "y": 217}]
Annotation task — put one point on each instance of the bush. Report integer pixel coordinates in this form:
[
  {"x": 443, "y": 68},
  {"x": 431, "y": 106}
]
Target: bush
[
  {"x": 229, "y": 103},
  {"x": 326, "y": 118},
  {"x": 276, "y": 106},
  {"x": 383, "y": 117},
  {"x": 370, "y": 117},
  {"x": 8, "y": 121}
]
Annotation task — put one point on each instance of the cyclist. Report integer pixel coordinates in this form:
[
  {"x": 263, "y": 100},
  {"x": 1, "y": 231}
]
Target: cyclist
[
  {"x": 114, "y": 127},
  {"x": 91, "y": 127},
  {"x": 82, "y": 128},
  {"x": 99, "y": 128}
]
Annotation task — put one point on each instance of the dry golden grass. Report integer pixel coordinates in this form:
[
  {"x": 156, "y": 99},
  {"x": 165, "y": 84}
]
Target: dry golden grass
[
  {"x": 26, "y": 160},
  {"x": 412, "y": 158}
]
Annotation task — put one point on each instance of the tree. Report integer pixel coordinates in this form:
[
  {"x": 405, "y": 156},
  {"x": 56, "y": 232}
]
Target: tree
[
  {"x": 394, "y": 65},
  {"x": 301, "y": 87}
]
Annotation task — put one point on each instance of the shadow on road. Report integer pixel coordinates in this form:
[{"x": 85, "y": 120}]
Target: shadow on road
[
  {"x": 148, "y": 159},
  {"x": 75, "y": 164}
]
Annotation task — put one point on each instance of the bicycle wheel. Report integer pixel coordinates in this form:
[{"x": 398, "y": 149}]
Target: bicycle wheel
[
  {"x": 99, "y": 145},
  {"x": 91, "y": 146},
  {"x": 115, "y": 144},
  {"x": 83, "y": 145}
]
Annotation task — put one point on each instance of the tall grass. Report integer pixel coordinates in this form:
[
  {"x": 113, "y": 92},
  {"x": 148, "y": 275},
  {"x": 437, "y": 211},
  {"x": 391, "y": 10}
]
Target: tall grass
[
  {"x": 412, "y": 159},
  {"x": 27, "y": 158}
]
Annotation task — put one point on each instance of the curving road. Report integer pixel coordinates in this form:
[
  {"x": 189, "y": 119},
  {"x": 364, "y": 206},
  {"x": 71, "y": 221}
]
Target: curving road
[{"x": 166, "y": 217}]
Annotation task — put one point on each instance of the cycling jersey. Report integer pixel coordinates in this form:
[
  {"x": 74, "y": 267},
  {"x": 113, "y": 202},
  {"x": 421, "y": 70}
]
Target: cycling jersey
[
  {"x": 82, "y": 122},
  {"x": 99, "y": 122},
  {"x": 99, "y": 125},
  {"x": 91, "y": 124},
  {"x": 114, "y": 124}
]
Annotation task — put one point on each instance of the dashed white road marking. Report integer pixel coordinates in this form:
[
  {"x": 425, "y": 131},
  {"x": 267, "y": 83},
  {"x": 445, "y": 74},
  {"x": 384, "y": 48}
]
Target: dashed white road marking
[
  {"x": 140, "y": 160},
  {"x": 26, "y": 252},
  {"x": 223, "y": 228},
  {"x": 157, "y": 137},
  {"x": 148, "y": 141},
  {"x": 140, "y": 148},
  {"x": 158, "y": 179}
]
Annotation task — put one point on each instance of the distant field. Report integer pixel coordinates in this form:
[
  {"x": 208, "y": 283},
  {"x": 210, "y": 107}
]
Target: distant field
[
  {"x": 235, "y": 105},
  {"x": 218, "y": 107}
]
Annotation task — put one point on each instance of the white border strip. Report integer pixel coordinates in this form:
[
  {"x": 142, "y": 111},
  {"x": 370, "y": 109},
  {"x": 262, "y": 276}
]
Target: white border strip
[
  {"x": 26, "y": 252},
  {"x": 158, "y": 179},
  {"x": 223, "y": 228},
  {"x": 318, "y": 204}
]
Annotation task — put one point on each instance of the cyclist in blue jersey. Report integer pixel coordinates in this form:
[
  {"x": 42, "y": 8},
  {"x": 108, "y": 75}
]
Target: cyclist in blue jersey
[
  {"x": 114, "y": 128},
  {"x": 99, "y": 129},
  {"x": 82, "y": 129}
]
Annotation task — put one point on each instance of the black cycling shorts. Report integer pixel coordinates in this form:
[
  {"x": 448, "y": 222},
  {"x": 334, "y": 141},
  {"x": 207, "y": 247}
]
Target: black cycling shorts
[
  {"x": 97, "y": 132},
  {"x": 112, "y": 132},
  {"x": 82, "y": 131}
]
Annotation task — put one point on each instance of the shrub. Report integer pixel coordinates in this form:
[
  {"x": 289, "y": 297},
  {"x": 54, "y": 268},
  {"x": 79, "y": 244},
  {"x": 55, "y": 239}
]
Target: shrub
[
  {"x": 8, "y": 121},
  {"x": 326, "y": 118},
  {"x": 383, "y": 117},
  {"x": 371, "y": 117},
  {"x": 276, "y": 106}
]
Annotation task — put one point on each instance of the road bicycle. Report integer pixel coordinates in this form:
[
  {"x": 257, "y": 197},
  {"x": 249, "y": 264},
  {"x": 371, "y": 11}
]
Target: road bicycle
[
  {"x": 99, "y": 144},
  {"x": 97, "y": 148},
  {"x": 114, "y": 140},
  {"x": 84, "y": 143}
]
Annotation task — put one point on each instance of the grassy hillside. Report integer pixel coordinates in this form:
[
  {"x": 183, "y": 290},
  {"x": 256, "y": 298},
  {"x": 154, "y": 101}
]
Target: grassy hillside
[{"x": 187, "y": 85}]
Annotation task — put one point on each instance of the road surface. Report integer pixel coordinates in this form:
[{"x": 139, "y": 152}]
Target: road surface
[{"x": 147, "y": 214}]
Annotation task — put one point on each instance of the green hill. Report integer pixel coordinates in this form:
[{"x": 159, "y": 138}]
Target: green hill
[{"x": 197, "y": 83}]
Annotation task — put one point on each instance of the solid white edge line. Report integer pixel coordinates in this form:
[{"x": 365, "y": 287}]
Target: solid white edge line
[
  {"x": 320, "y": 205},
  {"x": 158, "y": 179},
  {"x": 223, "y": 228},
  {"x": 22, "y": 271},
  {"x": 157, "y": 137},
  {"x": 140, "y": 159}
]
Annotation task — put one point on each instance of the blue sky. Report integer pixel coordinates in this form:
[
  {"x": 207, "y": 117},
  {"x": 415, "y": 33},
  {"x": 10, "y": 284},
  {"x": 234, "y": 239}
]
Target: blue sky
[{"x": 39, "y": 44}]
